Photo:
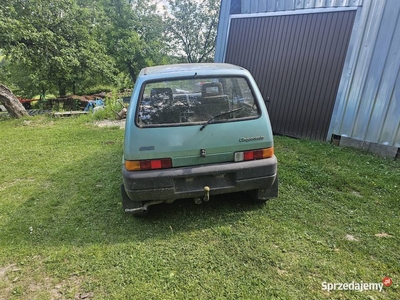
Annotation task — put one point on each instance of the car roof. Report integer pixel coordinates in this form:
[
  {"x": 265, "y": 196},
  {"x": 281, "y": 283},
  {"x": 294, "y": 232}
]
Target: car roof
[{"x": 192, "y": 67}]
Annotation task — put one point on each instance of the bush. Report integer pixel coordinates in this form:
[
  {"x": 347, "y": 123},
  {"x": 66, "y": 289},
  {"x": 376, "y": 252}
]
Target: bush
[
  {"x": 112, "y": 106},
  {"x": 95, "y": 90}
]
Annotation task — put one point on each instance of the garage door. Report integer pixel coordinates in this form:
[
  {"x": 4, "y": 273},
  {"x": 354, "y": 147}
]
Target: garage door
[{"x": 297, "y": 61}]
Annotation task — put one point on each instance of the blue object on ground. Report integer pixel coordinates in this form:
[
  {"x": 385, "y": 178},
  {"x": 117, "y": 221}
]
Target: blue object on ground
[{"x": 93, "y": 103}]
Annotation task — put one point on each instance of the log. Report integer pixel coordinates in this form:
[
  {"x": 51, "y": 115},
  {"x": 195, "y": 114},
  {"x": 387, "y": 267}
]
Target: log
[{"x": 11, "y": 103}]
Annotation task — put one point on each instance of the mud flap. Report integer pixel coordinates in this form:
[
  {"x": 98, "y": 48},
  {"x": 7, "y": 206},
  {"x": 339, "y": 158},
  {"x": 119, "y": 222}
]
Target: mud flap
[
  {"x": 262, "y": 195},
  {"x": 134, "y": 208}
]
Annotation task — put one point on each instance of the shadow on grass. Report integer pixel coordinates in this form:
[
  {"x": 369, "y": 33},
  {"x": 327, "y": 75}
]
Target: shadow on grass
[{"x": 80, "y": 204}]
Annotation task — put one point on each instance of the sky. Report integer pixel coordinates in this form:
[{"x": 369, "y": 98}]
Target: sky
[{"x": 160, "y": 5}]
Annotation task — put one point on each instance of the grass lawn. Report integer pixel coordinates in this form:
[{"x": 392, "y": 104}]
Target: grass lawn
[{"x": 63, "y": 234}]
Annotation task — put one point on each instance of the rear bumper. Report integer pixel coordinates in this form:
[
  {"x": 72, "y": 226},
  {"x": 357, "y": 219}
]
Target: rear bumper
[{"x": 189, "y": 182}]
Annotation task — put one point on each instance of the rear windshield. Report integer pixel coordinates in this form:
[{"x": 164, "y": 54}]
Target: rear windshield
[{"x": 196, "y": 101}]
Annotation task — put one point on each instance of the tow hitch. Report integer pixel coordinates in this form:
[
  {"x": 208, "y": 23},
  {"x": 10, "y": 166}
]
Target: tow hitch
[
  {"x": 207, "y": 193},
  {"x": 206, "y": 197}
]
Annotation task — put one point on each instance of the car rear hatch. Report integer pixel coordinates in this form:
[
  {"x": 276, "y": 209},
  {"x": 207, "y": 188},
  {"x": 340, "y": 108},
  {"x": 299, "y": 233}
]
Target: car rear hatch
[
  {"x": 189, "y": 146},
  {"x": 197, "y": 120}
]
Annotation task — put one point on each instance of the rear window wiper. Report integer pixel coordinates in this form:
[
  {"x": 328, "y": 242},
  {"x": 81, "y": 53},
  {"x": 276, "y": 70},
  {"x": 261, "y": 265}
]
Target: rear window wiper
[{"x": 220, "y": 115}]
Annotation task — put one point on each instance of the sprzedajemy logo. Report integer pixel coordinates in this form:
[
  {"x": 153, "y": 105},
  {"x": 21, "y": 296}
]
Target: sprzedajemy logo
[{"x": 357, "y": 286}]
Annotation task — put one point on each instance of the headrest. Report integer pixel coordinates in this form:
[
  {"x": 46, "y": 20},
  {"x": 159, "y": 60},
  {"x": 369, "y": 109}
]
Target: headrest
[
  {"x": 161, "y": 93},
  {"x": 211, "y": 89}
]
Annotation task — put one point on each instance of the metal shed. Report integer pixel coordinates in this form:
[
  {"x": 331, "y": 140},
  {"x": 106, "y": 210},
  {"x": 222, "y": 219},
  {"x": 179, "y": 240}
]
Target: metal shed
[{"x": 328, "y": 69}]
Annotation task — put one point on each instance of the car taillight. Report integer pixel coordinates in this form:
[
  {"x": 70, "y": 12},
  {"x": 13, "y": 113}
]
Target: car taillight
[
  {"x": 151, "y": 164},
  {"x": 254, "y": 154}
]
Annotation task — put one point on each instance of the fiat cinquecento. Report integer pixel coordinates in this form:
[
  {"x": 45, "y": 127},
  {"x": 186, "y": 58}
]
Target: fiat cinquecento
[{"x": 194, "y": 131}]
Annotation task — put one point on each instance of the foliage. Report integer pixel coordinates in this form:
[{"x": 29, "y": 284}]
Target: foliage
[
  {"x": 74, "y": 44},
  {"x": 96, "y": 89},
  {"x": 192, "y": 28},
  {"x": 51, "y": 43},
  {"x": 5, "y": 74},
  {"x": 63, "y": 233},
  {"x": 134, "y": 35},
  {"x": 112, "y": 106},
  {"x": 68, "y": 46}
]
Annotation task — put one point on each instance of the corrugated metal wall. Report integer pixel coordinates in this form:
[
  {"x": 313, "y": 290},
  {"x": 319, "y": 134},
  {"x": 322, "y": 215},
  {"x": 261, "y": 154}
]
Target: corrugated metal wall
[
  {"x": 367, "y": 107},
  {"x": 297, "y": 62},
  {"x": 268, "y": 6},
  {"x": 368, "y": 101},
  {"x": 258, "y": 6}
]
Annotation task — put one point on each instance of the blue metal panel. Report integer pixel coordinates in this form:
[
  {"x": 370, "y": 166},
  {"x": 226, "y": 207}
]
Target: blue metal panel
[
  {"x": 371, "y": 75},
  {"x": 223, "y": 29},
  {"x": 260, "y": 6},
  {"x": 271, "y": 6},
  {"x": 390, "y": 132},
  {"x": 309, "y": 4},
  {"x": 368, "y": 101},
  {"x": 389, "y": 55}
]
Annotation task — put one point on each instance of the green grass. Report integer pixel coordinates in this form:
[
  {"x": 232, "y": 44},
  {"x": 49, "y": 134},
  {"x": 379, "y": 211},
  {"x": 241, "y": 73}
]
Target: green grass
[{"x": 63, "y": 234}]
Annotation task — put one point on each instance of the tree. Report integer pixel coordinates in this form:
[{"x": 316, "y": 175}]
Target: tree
[
  {"x": 134, "y": 34},
  {"x": 52, "y": 42},
  {"x": 11, "y": 103},
  {"x": 192, "y": 28},
  {"x": 64, "y": 45}
]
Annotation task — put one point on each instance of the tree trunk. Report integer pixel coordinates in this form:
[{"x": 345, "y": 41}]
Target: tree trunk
[
  {"x": 43, "y": 95},
  {"x": 131, "y": 71},
  {"x": 62, "y": 89},
  {"x": 11, "y": 103}
]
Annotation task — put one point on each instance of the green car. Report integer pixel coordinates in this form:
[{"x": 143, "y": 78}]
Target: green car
[{"x": 194, "y": 131}]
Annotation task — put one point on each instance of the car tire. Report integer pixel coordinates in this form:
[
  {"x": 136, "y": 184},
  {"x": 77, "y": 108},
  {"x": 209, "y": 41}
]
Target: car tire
[{"x": 132, "y": 207}]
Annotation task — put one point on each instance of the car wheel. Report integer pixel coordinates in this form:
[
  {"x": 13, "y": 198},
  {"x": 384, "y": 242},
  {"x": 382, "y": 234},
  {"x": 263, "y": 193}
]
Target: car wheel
[{"x": 134, "y": 208}]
